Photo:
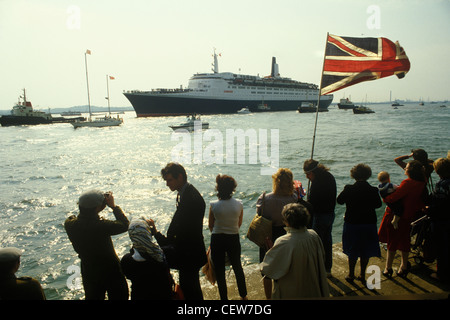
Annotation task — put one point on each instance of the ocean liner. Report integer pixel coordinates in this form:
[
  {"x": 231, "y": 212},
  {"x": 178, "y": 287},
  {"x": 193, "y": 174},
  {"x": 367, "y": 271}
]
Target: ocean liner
[{"x": 226, "y": 92}]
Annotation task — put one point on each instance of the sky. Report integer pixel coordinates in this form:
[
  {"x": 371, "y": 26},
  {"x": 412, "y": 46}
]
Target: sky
[{"x": 146, "y": 44}]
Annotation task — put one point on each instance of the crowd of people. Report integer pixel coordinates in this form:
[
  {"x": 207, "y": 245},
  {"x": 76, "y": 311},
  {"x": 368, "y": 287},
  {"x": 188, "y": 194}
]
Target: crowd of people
[{"x": 297, "y": 258}]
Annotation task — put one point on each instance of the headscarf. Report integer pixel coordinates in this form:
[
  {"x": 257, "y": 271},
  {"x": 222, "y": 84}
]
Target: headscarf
[{"x": 141, "y": 237}]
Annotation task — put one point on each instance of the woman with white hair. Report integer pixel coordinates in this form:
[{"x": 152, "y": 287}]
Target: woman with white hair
[{"x": 296, "y": 262}]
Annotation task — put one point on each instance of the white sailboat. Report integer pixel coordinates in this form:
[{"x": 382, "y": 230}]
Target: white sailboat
[{"x": 107, "y": 120}]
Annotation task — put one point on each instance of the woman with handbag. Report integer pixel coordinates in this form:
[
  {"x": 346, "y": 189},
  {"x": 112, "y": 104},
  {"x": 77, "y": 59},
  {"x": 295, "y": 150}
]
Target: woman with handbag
[
  {"x": 225, "y": 219},
  {"x": 271, "y": 205}
]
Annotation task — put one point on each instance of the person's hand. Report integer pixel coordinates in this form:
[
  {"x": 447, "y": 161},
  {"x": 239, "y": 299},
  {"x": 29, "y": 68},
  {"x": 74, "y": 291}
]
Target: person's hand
[
  {"x": 110, "y": 199},
  {"x": 395, "y": 222},
  {"x": 151, "y": 223}
]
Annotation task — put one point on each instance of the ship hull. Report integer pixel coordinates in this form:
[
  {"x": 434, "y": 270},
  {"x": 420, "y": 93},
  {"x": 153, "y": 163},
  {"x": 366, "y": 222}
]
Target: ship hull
[
  {"x": 18, "y": 120},
  {"x": 9, "y": 120},
  {"x": 156, "y": 105}
]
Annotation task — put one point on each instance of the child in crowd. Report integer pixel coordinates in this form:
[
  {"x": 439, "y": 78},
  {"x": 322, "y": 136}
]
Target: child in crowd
[{"x": 385, "y": 188}]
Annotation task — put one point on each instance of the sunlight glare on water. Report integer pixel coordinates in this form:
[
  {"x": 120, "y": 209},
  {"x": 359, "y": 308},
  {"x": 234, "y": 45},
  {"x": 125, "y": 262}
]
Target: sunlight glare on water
[{"x": 44, "y": 169}]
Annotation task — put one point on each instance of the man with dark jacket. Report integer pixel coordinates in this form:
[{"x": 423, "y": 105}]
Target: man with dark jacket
[
  {"x": 12, "y": 287},
  {"x": 183, "y": 245},
  {"x": 91, "y": 239}
]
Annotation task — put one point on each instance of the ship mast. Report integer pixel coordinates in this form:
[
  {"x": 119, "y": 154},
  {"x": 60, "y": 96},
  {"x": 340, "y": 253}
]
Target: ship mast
[
  {"x": 107, "y": 91},
  {"x": 24, "y": 97}
]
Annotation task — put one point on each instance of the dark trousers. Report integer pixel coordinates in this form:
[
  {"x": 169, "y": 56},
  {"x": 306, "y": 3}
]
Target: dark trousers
[
  {"x": 441, "y": 245},
  {"x": 190, "y": 283},
  {"x": 111, "y": 282},
  {"x": 229, "y": 244},
  {"x": 322, "y": 224}
]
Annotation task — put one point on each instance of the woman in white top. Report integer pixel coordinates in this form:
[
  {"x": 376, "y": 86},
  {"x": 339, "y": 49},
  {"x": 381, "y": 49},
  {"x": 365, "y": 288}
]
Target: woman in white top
[{"x": 225, "y": 219}]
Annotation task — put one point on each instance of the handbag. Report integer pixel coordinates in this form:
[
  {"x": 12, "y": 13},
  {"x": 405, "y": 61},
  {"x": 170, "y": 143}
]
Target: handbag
[
  {"x": 260, "y": 228},
  {"x": 208, "y": 268}
]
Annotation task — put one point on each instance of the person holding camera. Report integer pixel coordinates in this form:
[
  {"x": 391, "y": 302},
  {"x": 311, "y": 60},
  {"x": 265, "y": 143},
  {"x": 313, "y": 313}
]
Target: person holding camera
[{"x": 90, "y": 235}]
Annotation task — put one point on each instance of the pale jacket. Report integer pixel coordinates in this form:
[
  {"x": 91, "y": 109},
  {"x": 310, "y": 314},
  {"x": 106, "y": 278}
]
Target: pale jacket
[{"x": 296, "y": 264}]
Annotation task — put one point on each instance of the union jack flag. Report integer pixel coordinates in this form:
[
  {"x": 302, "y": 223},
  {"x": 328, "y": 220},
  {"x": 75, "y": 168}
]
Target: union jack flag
[{"x": 349, "y": 61}]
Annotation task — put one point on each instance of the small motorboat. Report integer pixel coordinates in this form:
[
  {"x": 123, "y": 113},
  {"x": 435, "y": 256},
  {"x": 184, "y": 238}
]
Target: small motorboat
[
  {"x": 193, "y": 122},
  {"x": 244, "y": 111}
]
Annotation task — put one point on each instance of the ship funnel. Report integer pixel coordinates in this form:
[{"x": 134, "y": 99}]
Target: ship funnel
[
  {"x": 216, "y": 64},
  {"x": 275, "y": 72}
]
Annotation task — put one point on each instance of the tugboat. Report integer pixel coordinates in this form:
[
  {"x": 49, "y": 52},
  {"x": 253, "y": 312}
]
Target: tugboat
[
  {"x": 362, "y": 109},
  {"x": 346, "y": 104},
  {"x": 310, "y": 107},
  {"x": 23, "y": 114}
]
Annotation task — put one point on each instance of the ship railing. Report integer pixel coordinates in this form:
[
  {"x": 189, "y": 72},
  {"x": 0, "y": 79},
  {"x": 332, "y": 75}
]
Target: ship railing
[{"x": 159, "y": 90}]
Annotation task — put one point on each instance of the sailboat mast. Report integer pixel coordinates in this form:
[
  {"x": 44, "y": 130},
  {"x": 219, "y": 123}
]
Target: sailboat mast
[
  {"x": 87, "y": 81},
  {"x": 107, "y": 90}
]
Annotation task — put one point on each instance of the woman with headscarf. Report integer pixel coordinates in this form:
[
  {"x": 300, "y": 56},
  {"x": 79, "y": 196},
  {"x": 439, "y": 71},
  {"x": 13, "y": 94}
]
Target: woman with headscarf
[{"x": 146, "y": 265}]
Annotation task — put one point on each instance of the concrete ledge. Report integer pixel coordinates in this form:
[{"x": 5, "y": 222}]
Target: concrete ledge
[{"x": 418, "y": 285}]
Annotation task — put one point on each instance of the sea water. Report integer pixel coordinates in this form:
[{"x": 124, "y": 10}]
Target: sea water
[{"x": 44, "y": 169}]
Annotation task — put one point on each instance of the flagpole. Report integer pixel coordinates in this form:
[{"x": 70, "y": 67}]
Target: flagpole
[
  {"x": 318, "y": 101},
  {"x": 317, "y": 112},
  {"x": 87, "y": 83}
]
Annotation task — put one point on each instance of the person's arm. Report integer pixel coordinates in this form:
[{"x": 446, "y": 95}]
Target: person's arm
[
  {"x": 401, "y": 160},
  {"x": 160, "y": 238},
  {"x": 121, "y": 223},
  {"x": 241, "y": 217},
  {"x": 399, "y": 193},
  {"x": 341, "y": 199}
]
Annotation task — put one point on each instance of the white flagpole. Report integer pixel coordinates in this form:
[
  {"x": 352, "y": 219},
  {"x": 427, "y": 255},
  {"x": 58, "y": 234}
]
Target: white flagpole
[
  {"x": 317, "y": 112},
  {"x": 87, "y": 81},
  {"x": 107, "y": 90},
  {"x": 318, "y": 101}
]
